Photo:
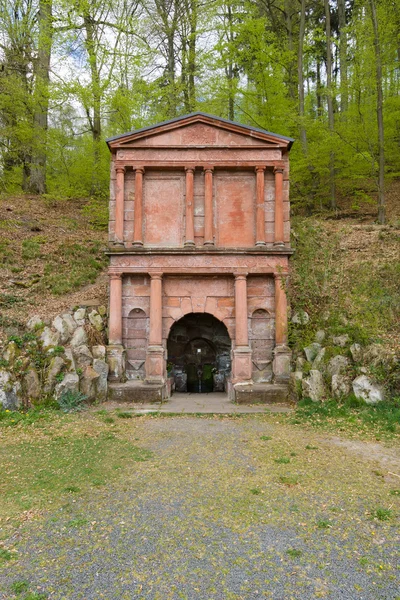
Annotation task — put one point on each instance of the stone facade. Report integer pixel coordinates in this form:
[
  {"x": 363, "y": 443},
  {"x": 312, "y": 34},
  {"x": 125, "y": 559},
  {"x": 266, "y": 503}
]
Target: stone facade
[{"x": 199, "y": 225}]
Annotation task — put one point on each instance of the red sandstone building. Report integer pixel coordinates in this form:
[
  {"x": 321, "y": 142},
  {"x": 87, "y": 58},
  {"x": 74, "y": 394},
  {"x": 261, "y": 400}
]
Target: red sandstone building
[{"x": 199, "y": 248}]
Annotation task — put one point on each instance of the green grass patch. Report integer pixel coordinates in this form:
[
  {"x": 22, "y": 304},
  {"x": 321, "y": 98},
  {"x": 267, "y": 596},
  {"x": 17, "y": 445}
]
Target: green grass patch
[
  {"x": 18, "y": 587},
  {"x": 282, "y": 460},
  {"x": 294, "y": 553},
  {"x": 289, "y": 480},
  {"x": 324, "y": 524},
  {"x": 5, "y": 555},
  {"x": 380, "y": 420},
  {"x": 383, "y": 514},
  {"x": 265, "y": 438},
  {"x": 73, "y": 265},
  {"x": 45, "y": 465}
]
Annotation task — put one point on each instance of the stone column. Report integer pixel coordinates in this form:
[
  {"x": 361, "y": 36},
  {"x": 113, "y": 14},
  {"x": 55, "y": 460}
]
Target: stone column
[
  {"x": 115, "y": 350},
  {"x": 115, "y": 321},
  {"x": 208, "y": 207},
  {"x": 189, "y": 241},
  {"x": 138, "y": 209},
  {"x": 260, "y": 210},
  {"x": 119, "y": 206},
  {"x": 242, "y": 366},
  {"x": 155, "y": 350},
  {"x": 278, "y": 238},
  {"x": 282, "y": 353}
]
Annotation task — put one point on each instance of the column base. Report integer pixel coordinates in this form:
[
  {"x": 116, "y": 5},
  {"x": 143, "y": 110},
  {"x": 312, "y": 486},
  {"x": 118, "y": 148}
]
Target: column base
[
  {"x": 279, "y": 244},
  {"x": 208, "y": 244},
  {"x": 116, "y": 362},
  {"x": 261, "y": 244},
  {"x": 242, "y": 365},
  {"x": 281, "y": 363},
  {"x": 137, "y": 243},
  {"x": 119, "y": 244},
  {"x": 189, "y": 244},
  {"x": 155, "y": 364}
]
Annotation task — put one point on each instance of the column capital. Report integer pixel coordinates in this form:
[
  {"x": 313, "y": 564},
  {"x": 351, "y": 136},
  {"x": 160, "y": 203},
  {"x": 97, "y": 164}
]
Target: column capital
[
  {"x": 156, "y": 275},
  {"x": 115, "y": 276},
  {"x": 278, "y": 169},
  {"x": 190, "y": 169},
  {"x": 139, "y": 170},
  {"x": 208, "y": 168},
  {"x": 119, "y": 169},
  {"x": 281, "y": 275},
  {"x": 239, "y": 276},
  {"x": 260, "y": 168}
]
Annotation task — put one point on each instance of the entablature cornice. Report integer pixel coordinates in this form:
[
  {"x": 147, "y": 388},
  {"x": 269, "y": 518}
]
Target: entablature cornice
[{"x": 198, "y": 265}]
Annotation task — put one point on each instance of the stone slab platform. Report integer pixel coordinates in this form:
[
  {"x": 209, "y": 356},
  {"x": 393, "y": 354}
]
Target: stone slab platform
[
  {"x": 183, "y": 403},
  {"x": 261, "y": 393},
  {"x": 135, "y": 392}
]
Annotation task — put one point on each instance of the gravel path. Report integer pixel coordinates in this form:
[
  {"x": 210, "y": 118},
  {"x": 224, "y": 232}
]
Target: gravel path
[{"x": 217, "y": 513}]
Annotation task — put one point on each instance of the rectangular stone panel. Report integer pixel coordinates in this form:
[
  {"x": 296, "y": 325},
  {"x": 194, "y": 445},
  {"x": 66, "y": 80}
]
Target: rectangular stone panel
[
  {"x": 235, "y": 199},
  {"x": 163, "y": 209}
]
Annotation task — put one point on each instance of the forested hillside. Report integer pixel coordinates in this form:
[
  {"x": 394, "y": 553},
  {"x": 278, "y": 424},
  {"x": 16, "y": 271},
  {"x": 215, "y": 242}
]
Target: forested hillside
[{"x": 325, "y": 73}]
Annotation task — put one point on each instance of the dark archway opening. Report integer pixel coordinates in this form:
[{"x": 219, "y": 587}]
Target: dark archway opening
[{"x": 199, "y": 354}]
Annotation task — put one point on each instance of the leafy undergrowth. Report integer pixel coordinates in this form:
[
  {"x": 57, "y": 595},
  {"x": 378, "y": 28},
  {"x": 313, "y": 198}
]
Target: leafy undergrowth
[
  {"x": 345, "y": 276},
  {"x": 352, "y": 417}
]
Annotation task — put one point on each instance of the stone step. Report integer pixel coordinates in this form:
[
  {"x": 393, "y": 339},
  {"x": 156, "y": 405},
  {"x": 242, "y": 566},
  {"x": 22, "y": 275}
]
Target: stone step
[
  {"x": 135, "y": 392},
  {"x": 262, "y": 393}
]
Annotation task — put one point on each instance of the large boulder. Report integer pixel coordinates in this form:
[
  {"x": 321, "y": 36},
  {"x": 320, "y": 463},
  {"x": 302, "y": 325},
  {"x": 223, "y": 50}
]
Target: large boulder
[
  {"x": 96, "y": 320},
  {"x": 69, "y": 360},
  {"x": 50, "y": 338},
  {"x": 337, "y": 364},
  {"x": 32, "y": 387},
  {"x": 10, "y": 391},
  {"x": 83, "y": 357},
  {"x": 34, "y": 322},
  {"x": 313, "y": 386},
  {"x": 63, "y": 326},
  {"x": 101, "y": 368},
  {"x": 11, "y": 352},
  {"x": 79, "y": 338},
  {"x": 375, "y": 355},
  {"x": 70, "y": 383},
  {"x": 99, "y": 352},
  {"x": 356, "y": 352},
  {"x": 319, "y": 359},
  {"x": 341, "y": 340},
  {"x": 88, "y": 383},
  {"x": 79, "y": 316},
  {"x": 300, "y": 317},
  {"x": 312, "y": 350},
  {"x": 340, "y": 385},
  {"x": 56, "y": 366},
  {"x": 364, "y": 389}
]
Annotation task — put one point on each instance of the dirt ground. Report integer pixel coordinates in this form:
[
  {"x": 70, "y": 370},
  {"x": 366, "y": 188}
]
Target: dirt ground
[{"x": 224, "y": 508}]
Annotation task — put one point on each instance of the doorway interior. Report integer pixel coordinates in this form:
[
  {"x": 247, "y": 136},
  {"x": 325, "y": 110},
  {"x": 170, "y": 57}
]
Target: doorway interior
[{"x": 199, "y": 354}]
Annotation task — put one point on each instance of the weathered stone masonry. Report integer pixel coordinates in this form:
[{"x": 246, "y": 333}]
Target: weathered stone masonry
[{"x": 199, "y": 223}]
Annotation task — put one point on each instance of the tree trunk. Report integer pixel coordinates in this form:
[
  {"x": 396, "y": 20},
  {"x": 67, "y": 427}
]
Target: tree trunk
[
  {"x": 37, "y": 180},
  {"x": 192, "y": 55},
  {"x": 344, "y": 93},
  {"x": 303, "y": 135},
  {"x": 95, "y": 121},
  {"x": 331, "y": 119},
  {"x": 379, "y": 114}
]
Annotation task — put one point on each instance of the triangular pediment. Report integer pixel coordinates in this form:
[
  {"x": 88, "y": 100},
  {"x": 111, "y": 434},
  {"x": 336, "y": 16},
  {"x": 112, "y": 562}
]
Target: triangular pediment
[{"x": 199, "y": 130}]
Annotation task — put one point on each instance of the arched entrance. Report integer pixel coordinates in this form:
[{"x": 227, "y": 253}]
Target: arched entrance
[{"x": 199, "y": 354}]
